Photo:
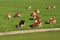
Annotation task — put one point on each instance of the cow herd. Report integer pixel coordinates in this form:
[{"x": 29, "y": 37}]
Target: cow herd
[
  {"x": 37, "y": 20},
  {"x": 8, "y": 15}
]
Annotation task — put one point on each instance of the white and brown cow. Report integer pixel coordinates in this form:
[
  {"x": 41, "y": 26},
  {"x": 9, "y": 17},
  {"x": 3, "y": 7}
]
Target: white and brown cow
[
  {"x": 52, "y": 20},
  {"x": 35, "y": 12},
  {"x": 51, "y": 7},
  {"x": 37, "y": 22},
  {"x": 35, "y": 17},
  {"x": 8, "y": 16},
  {"x": 18, "y": 14}
]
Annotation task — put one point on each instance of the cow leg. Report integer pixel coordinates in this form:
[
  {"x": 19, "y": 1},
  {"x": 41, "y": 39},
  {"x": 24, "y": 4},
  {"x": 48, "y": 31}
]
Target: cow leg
[
  {"x": 17, "y": 26},
  {"x": 34, "y": 25},
  {"x": 40, "y": 25},
  {"x": 54, "y": 22}
]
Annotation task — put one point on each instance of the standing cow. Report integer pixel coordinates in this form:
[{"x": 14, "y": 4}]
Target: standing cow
[
  {"x": 52, "y": 20},
  {"x": 37, "y": 22}
]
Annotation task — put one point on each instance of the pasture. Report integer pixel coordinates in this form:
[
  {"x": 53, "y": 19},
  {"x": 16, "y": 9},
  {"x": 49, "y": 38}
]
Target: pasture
[
  {"x": 54, "y": 35},
  {"x": 13, "y": 6}
]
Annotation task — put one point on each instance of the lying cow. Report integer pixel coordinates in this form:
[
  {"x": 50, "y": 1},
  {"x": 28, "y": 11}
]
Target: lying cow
[
  {"x": 8, "y": 16},
  {"x": 28, "y": 7},
  {"x": 52, "y": 20},
  {"x": 17, "y": 14},
  {"x": 35, "y": 12},
  {"x": 51, "y": 7},
  {"x": 37, "y": 22},
  {"x": 21, "y": 23}
]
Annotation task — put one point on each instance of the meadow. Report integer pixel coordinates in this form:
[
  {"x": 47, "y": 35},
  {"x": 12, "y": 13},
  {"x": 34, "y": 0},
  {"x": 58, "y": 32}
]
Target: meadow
[
  {"x": 13, "y": 6},
  {"x": 54, "y": 35}
]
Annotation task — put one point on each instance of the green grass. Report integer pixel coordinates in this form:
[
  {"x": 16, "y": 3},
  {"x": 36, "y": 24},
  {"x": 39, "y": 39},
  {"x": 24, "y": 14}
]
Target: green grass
[
  {"x": 19, "y": 5},
  {"x": 54, "y": 35}
]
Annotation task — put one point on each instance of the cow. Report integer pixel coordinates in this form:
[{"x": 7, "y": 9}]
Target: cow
[
  {"x": 35, "y": 12},
  {"x": 51, "y": 7},
  {"x": 8, "y": 16},
  {"x": 37, "y": 23},
  {"x": 18, "y": 14},
  {"x": 52, "y": 20},
  {"x": 28, "y": 7},
  {"x": 21, "y": 23}
]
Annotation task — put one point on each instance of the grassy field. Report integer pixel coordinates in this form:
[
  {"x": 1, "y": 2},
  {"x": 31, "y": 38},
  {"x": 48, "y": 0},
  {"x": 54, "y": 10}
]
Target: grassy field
[
  {"x": 19, "y": 5},
  {"x": 54, "y": 35}
]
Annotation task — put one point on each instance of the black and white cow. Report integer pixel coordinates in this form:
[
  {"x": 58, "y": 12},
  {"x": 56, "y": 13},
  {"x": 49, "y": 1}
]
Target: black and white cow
[{"x": 21, "y": 23}]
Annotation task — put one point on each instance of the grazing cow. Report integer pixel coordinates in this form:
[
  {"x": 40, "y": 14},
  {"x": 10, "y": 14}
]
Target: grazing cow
[
  {"x": 37, "y": 22},
  {"x": 51, "y": 7},
  {"x": 52, "y": 20},
  {"x": 8, "y": 15},
  {"x": 17, "y": 14},
  {"x": 28, "y": 7},
  {"x": 21, "y": 23}
]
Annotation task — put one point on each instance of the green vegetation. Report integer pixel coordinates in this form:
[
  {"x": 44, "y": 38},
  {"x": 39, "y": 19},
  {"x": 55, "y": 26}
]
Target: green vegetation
[
  {"x": 19, "y": 5},
  {"x": 54, "y": 35}
]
